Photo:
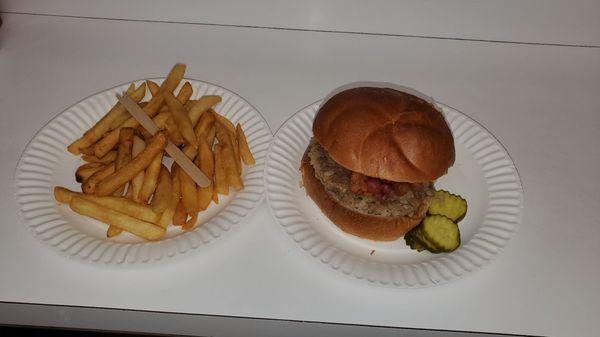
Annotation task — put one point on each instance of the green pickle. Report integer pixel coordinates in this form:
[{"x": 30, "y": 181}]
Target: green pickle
[
  {"x": 449, "y": 205},
  {"x": 417, "y": 241},
  {"x": 441, "y": 232},
  {"x": 413, "y": 242},
  {"x": 438, "y": 232}
]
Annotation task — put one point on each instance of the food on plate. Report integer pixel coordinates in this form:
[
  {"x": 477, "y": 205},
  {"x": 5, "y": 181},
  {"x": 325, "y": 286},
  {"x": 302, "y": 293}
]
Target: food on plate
[
  {"x": 181, "y": 118},
  {"x": 244, "y": 149},
  {"x": 439, "y": 232},
  {"x": 89, "y": 185},
  {"x": 163, "y": 192},
  {"x": 373, "y": 160},
  {"x": 109, "y": 157},
  {"x": 124, "y": 179},
  {"x": 141, "y": 228},
  {"x": 99, "y": 129},
  {"x": 124, "y": 153},
  {"x": 449, "y": 205},
  {"x": 138, "y": 164},
  {"x": 119, "y": 204},
  {"x": 220, "y": 180},
  {"x": 86, "y": 170},
  {"x": 136, "y": 182},
  {"x": 436, "y": 233},
  {"x": 188, "y": 192},
  {"x": 150, "y": 179}
]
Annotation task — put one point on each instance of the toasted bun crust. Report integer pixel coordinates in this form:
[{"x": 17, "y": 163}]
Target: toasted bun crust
[
  {"x": 365, "y": 226},
  {"x": 385, "y": 133}
]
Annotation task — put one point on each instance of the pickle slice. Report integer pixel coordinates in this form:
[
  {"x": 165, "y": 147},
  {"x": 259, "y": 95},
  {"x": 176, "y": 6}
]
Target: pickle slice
[
  {"x": 412, "y": 241},
  {"x": 416, "y": 240},
  {"x": 449, "y": 205},
  {"x": 425, "y": 241},
  {"x": 441, "y": 232}
]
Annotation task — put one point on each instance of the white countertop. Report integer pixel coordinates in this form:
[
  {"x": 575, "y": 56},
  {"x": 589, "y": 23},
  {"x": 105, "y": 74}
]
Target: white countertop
[
  {"x": 574, "y": 22},
  {"x": 539, "y": 101}
]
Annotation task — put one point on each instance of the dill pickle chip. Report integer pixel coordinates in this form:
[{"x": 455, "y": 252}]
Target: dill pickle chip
[
  {"x": 441, "y": 232},
  {"x": 449, "y": 205},
  {"x": 413, "y": 242}
]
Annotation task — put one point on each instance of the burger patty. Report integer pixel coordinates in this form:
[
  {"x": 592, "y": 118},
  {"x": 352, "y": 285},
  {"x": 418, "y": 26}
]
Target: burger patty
[{"x": 364, "y": 194}]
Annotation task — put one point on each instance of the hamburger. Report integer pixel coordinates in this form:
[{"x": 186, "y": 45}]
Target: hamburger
[{"x": 373, "y": 160}]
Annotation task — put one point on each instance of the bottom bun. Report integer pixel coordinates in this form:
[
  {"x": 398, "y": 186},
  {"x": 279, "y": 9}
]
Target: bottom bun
[{"x": 362, "y": 225}]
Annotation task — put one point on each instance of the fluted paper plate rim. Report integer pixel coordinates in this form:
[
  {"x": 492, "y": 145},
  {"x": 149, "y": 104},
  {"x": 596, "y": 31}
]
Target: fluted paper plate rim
[
  {"x": 502, "y": 216},
  {"x": 42, "y": 216}
]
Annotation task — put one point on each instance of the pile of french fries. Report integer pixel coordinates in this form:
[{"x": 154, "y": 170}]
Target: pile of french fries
[{"x": 124, "y": 181}]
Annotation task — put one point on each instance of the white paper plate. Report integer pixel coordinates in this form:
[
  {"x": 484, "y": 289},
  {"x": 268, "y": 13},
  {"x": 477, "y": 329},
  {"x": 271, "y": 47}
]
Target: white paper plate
[
  {"x": 483, "y": 174},
  {"x": 45, "y": 163}
]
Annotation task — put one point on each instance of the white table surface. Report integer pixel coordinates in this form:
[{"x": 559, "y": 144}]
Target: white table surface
[
  {"x": 540, "y": 102},
  {"x": 573, "y": 22}
]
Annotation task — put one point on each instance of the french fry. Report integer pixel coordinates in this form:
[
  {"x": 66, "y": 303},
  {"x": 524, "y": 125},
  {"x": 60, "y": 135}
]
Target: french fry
[
  {"x": 120, "y": 120},
  {"x": 204, "y": 197},
  {"x": 109, "y": 157},
  {"x": 130, "y": 88},
  {"x": 173, "y": 130},
  {"x": 181, "y": 118},
  {"x": 187, "y": 105},
  {"x": 236, "y": 154},
  {"x": 190, "y": 151},
  {"x": 228, "y": 161},
  {"x": 183, "y": 97},
  {"x": 124, "y": 153},
  {"x": 104, "y": 145},
  {"x": 206, "y": 160},
  {"x": 168, "y": 215},
  {"x": 153, "y": 87},
  {"x": 191, "y": 223},
  {"x": 136, "y": 165},
  {"x": 160, "y": 120},
  {"x": 99, "y": 129},
  {"x": 164, "y": 190},
  {"x": 89, "y": 186},
  {"x": 169, "y": 84},
  {"x": 225, "y": 122},
  {"x": 118, "y": 204},
  {"x": 244, "y": 149},
  {"x": 87, "y": 170},
  {"x": 150, "y": 179},
  {"x": 140, "y": 91},
  {"x": 113, "y": 231},
  {"x": 163, "y": 120},
  {"x": 180, "y": 215},
  {"x": 173, "y": 78},
  {"x": 138, "y": 179},
  {"x": 221, "y": 182},
  {"x": 151, "y": 109},
  {"x": 135, "y": 226},
  {"x": 188, "y": 194},
  {"x": 188, "y": 190},
  {"x": 228, "y": 139},
  {"x": 201, "y": 106},
  {"x": 88, "y": 150},
  {"x": 185, "y": 93},
  {"x": 210, "y": 135},
  {"x": 206, "y": 122}
]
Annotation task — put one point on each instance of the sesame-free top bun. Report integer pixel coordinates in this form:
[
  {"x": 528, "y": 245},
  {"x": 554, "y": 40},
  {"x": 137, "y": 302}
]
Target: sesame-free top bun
[{"x": 385, "y": 133}]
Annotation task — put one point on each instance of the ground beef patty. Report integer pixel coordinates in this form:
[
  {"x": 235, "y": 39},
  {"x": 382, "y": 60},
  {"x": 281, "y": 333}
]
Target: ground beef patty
[{"x": 336, "y": 180}]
